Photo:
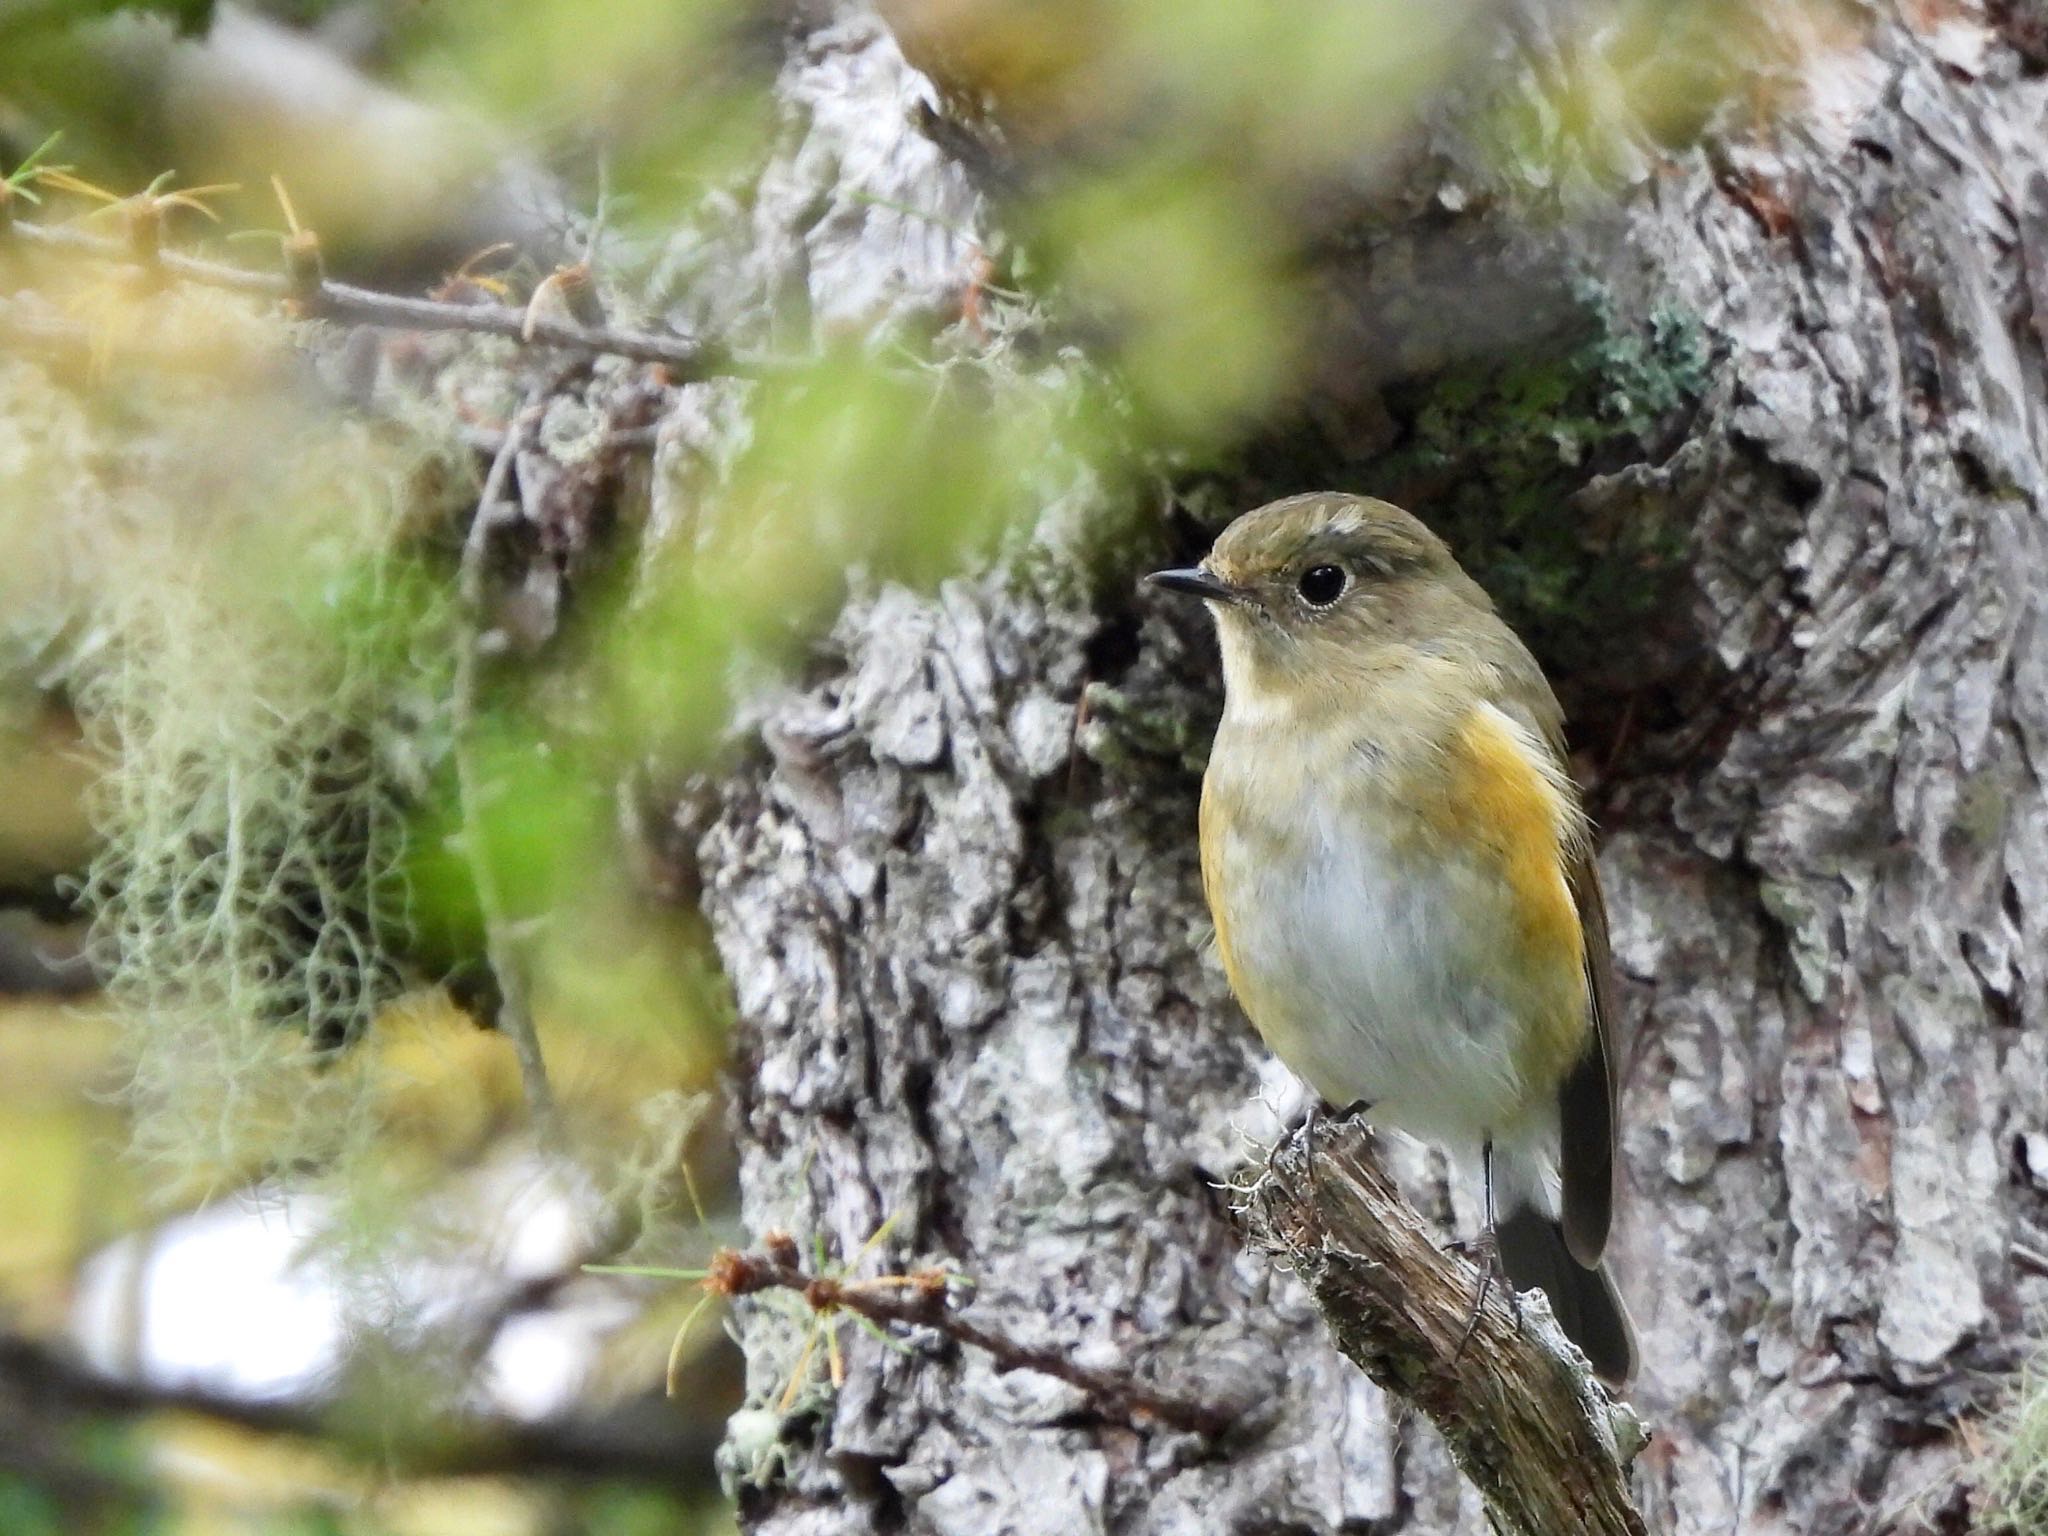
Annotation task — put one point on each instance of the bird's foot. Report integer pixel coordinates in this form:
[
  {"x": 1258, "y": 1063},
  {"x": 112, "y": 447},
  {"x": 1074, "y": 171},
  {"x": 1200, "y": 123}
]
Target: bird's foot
[
  {"x": 1310, "y": 1124},
  {"x": 1483, "y": 1252}
]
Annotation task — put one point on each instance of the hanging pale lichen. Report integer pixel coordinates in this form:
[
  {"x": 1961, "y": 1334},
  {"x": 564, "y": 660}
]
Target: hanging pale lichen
[
  {"x": 253, "y": 819},
  {"x": 266, "y": 684}
]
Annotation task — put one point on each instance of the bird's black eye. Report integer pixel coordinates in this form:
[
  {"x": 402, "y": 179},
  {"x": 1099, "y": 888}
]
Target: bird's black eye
[{"x": 1321, "y": 585}]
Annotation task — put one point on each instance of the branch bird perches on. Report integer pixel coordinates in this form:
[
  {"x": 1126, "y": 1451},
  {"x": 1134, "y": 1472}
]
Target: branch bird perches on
[{"x": 1541, "y": 1440}]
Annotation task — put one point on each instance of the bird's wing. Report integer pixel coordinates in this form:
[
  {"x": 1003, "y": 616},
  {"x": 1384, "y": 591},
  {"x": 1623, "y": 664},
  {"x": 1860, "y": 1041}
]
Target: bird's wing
[
  {"x": 1586, "y": 1103},
  {"x": 1588, "y": 1099}
]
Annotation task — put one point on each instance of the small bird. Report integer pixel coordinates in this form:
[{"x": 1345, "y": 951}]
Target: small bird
[{"x": 1402, "y": 879}]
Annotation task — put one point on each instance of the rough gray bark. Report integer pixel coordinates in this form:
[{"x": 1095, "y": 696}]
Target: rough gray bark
[{"x": 967, "y": 941}]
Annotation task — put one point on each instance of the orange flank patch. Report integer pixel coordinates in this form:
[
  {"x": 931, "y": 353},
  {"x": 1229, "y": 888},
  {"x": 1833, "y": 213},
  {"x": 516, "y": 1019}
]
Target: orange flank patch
[{"x": 1498, "y": 791}]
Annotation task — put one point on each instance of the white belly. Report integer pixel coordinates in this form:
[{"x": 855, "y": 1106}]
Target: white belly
[{"x": 1381, "y": 975}]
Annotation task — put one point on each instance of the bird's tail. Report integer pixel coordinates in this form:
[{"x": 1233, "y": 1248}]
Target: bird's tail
[{"x": 1588, "y": 1308}]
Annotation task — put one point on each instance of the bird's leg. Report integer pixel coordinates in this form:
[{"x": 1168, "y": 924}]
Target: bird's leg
[
  {"x": 1487, "y": 1256},
  {"x": 1310, "y": 1124},
  {"x": 1495, "y": 1262}
]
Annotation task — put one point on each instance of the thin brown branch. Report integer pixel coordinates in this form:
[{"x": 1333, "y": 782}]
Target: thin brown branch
[
  {"x": 322, "y": 298},
  {"x": 925, "y": 1300},
  {"x": 515, "y": 1013},
  {"x": 1540, "y": 1439}
]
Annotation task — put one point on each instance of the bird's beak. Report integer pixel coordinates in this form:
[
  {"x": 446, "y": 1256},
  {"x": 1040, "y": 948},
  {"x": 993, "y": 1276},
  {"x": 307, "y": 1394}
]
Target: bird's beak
[{"x": 1196, "y": 582}]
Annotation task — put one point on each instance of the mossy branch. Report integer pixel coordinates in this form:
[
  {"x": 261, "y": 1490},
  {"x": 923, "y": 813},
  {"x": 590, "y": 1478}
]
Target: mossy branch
[{"x": 1543, "y": 1443}]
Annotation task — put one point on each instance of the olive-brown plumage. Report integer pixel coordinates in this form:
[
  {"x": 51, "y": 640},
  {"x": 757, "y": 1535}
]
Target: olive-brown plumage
[{"x": 1401, "y": 874}]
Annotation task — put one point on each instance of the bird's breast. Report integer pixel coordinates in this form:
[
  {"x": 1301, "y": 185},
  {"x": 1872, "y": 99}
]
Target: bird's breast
[{"x": 1376, "y": 940}]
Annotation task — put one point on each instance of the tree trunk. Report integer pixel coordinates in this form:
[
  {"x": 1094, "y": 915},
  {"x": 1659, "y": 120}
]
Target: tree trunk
[{"x": 957, "y": 893}]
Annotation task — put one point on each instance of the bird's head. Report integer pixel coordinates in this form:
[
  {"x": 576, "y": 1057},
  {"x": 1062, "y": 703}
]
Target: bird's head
[{"x": 1316, "y": 592}]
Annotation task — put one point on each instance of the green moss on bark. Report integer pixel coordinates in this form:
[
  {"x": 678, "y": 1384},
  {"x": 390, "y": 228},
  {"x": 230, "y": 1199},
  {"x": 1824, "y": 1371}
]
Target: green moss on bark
[
  {"x": 1496, "y": 451},
  {"x": 1504, "y": 445}
]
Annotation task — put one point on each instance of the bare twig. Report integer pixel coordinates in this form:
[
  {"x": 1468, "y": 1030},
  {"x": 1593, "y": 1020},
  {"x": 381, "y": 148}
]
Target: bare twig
[
  {"x": 1539, "y": 1438},
  {"x": 317, "y": 297},
  {"x": 515, "y": 1012},
  {"x": 924, "y": 1299}
]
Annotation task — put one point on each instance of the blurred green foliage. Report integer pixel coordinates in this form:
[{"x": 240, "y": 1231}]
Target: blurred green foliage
[
  {"x": 189, "y": 17},
  {"x": 853, "y": 466},
  {"x": 29, "y": 1510}
]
